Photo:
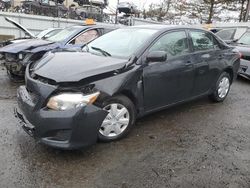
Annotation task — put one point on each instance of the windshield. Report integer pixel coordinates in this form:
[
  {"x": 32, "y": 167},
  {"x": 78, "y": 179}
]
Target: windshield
[
  {"x": 48, "y": 33},
  {"x": 63, "y": 35},
  {"x": 245, "y": 39},
  {"x": 121, "y": 43}
]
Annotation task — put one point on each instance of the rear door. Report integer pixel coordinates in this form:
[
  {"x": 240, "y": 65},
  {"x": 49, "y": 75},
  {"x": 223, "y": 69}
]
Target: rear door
[{"x": 206, "y": 58}]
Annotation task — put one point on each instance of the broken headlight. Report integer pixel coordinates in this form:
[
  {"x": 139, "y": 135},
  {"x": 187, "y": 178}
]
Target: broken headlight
[
  {"x": 10, "y": 57},
  {"x": 66, "y": 101}
]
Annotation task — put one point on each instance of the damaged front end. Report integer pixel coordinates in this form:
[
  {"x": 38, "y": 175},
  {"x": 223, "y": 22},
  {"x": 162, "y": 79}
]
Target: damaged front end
[
  {"x": 47, "y": 113},
  {"x": 14, "y": 69},
  {"x": 16, "y": 63},
  {"x": 63, "y": 101}
]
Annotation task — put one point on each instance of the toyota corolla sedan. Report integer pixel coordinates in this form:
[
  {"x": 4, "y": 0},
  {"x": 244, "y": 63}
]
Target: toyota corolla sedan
[{"x": 73, "y": 99}]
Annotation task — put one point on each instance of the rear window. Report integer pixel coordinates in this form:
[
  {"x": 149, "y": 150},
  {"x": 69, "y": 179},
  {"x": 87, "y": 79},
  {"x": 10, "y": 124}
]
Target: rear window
[
  {"x": 245, "y": 39},
  {"x": 226, "y": 34}
]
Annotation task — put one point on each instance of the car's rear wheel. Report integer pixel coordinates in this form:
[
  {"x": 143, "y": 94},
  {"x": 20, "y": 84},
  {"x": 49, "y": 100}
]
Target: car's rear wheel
[
  {"x": 120, "y": 119},
  {"x": 222, "y": 88}
]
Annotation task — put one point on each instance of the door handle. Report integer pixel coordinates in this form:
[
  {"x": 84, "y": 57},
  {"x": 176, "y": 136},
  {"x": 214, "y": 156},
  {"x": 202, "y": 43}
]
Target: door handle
[
  {"x": 188, "y": 63},
  {"x": 206, "y": 56}
]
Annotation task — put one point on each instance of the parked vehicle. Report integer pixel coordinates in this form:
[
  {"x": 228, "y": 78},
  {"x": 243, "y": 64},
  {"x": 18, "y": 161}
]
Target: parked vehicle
[
  {"x": 86, "y": 11},
  {"x": 71, "y": 99},
  {"x": 45, "y": 8},
  {"x": 17, "y": 56},
  {"x": 5, "y": 5},
  {"x": 243, "y": 45},
  {"x": 231, "y": 34},
  {"x": 127, "y": 8},
  {"x": 28, "y": 34},
  {"x": 100, "y": 3},
  {"x": 240, "y": 39}
]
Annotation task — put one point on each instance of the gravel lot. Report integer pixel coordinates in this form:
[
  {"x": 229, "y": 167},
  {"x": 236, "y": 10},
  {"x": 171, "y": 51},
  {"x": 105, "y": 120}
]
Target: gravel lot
[{"x": 198, "y": 144}]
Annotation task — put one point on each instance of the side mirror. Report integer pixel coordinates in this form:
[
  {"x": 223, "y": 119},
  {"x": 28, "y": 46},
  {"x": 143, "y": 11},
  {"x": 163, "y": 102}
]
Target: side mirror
[{"x": 156, "y": 56}]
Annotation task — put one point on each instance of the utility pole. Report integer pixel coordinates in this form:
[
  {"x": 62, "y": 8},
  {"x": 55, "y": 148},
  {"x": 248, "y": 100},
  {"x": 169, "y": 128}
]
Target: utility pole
[
  {"x": 116, "y": 13},
  {"x": 247, "y": 12}
]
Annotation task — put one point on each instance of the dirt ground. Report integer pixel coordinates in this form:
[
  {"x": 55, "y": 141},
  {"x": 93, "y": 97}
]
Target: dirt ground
[{"x": 198, "y": 144}]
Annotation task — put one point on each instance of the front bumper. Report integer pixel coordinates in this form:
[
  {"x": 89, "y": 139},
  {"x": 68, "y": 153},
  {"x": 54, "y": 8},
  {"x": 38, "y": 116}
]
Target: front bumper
[
  {"x": 244, "y": 69},
  {"x": 71, "y": 129}
]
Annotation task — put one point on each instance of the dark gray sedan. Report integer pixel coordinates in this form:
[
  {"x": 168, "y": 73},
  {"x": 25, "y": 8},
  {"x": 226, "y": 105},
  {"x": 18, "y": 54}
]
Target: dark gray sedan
[{"x": 73, "y": 99}]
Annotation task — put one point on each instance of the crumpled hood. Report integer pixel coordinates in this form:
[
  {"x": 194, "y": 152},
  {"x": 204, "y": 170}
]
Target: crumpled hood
[
  {"x": 75, "y": 66},
  {"x": 29, "y": 44},
  {"x": 19, "y": 26}
]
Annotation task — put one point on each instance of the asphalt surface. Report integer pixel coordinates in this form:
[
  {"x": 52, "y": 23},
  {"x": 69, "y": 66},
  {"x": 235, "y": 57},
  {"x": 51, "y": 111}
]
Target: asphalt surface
[{"x": 198, "y": 144}]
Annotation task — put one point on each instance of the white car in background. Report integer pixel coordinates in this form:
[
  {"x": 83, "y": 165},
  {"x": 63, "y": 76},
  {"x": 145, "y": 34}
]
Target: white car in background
[
  {"x": 97, "y": 2},
  {"x": 28, "y": 35},
  {"x": 127, "y": 8}
]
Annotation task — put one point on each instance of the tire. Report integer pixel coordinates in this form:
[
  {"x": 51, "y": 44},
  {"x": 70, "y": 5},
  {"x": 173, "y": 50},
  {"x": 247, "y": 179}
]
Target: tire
[
  {"x": 218, "y": 96},
  {"x": 112, "y": 128}
]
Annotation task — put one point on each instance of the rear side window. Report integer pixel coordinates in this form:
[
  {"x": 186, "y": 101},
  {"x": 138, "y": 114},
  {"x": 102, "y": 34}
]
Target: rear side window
[
  {"x": 226, "y": 34},
  {"x": 202, "y": 40},
  {"x": 174, "y": 43}
]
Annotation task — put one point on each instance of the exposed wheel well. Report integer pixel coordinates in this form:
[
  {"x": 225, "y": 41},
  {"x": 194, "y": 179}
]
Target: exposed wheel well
[
  {"x": 130, "y": 96},
  {"x": 230, "y": 72}
]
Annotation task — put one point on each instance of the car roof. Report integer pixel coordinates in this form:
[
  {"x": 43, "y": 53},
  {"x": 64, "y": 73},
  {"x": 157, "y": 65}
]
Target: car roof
[
  {"x": 93, "y": 26},
  {"x": 167, "y": 27}
]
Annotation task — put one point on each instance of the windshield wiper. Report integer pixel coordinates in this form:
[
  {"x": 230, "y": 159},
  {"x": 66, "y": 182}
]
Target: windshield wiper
[
  {"x": 240, "y": 43},
  {"x": 101, "y": 50}
]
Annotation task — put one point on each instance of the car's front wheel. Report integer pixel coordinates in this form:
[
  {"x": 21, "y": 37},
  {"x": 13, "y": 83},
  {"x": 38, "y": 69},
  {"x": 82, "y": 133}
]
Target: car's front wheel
[
  {"x": 121, "y": 117},
  {"x": 222, "y": 88}
]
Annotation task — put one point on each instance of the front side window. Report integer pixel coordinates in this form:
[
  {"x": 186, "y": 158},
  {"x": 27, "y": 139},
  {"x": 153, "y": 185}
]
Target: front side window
[
  {"x": 174, "y": 43},
  {"x": 202, "y": 40}
]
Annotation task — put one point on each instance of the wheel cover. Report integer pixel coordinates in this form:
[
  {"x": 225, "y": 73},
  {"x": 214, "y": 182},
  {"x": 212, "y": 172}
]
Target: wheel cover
[
  {"x": 223, "y": 87},
  {"x": 116, "y": 121}
]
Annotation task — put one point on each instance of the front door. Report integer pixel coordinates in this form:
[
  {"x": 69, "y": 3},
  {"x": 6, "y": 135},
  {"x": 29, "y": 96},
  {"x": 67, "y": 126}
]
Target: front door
[{"x": 171, "y": 81}]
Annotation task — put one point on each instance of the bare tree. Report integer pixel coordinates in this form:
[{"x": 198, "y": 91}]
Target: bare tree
[{"x": 247, "y": 11}]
